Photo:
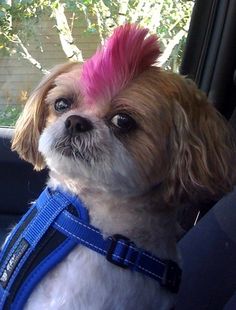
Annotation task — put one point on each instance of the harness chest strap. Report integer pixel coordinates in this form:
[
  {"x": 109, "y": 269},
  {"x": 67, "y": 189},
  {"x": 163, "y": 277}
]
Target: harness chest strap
[
  {"x": 120, "y": 251},
  {"x": 49, "y": 231}
]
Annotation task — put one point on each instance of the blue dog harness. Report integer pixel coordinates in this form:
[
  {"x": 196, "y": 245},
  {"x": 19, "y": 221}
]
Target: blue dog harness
[{"x": 53, "y": 226}]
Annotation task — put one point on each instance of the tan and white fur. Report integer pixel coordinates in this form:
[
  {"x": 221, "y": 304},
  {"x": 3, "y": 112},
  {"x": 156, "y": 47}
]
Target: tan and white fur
[{"x": 132, "y": 183}]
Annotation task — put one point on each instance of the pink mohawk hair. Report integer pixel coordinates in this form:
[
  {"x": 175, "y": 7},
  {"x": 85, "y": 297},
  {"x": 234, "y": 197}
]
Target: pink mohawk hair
[{"x": 127, "y": 53}]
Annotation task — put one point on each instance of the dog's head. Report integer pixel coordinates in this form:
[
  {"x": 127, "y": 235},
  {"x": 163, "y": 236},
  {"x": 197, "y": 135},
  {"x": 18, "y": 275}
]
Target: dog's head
[{"x": 122, "y": 123}]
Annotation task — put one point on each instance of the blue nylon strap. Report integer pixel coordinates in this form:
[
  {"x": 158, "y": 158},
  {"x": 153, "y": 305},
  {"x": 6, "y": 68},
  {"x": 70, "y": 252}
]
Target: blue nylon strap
[
  {"x": 43, "y": 221},
  {"x": 42, "y": 268},
  {"x": 82, "y": 232},
  {"x": 46, "y": 216},
  {"x": 48, "y": 206},
  {"x": 118, "y": 249}
]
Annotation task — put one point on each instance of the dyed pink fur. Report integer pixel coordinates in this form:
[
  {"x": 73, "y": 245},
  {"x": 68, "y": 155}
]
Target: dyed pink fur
[{"x": 126, "y": 54}]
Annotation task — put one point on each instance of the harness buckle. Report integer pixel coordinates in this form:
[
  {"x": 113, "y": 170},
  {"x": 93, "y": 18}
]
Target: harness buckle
[
  {"x": 172, "y": 277},
  {"x": 118, "y": 250}
]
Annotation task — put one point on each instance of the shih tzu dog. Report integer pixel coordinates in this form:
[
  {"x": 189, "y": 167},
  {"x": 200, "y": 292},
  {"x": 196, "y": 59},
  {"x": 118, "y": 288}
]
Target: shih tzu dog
[{"x": 133, "y": 142}]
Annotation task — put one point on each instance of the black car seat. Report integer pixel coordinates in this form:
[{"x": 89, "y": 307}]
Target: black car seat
[
  {"x": 209, "y": 260},
  {"x": 19, "y": 185},
  {"x": 231, "y": 304}
]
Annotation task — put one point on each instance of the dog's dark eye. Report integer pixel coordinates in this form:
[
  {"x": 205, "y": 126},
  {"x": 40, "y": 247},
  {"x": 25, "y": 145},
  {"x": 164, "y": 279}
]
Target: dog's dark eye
[
  {"x": 123, "y": 122},
  {"x": 62, "y": 104}
]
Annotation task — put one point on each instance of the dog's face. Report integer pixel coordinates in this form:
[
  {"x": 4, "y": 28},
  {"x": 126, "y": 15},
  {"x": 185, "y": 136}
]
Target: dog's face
[
  {"x": 156, "y": 128},
  {"x": 115, "y": 144},
  {"x": 92, "y": 142}
]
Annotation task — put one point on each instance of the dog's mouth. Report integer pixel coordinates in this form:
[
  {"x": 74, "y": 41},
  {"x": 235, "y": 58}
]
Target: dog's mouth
[
  {"x": 66, "y": 150},
  {"x": 69, "y": 148},
  {"x": 79, "y": 149}
]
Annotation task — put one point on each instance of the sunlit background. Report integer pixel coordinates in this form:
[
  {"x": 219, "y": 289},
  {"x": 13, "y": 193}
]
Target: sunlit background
[{"x": 36, "y": 35}]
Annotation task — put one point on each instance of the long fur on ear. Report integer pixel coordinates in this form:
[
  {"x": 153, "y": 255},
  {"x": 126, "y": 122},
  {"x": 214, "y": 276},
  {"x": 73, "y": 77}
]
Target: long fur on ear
[
  {"x": 33, "y": 118},
  {"x": 202, "y": 144}
]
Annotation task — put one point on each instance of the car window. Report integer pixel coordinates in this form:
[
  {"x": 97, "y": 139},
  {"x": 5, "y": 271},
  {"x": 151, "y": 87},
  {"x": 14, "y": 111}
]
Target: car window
[{"x": 36, "y": 35}]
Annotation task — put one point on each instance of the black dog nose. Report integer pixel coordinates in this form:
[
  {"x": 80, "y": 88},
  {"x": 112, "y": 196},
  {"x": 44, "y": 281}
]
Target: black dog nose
[{"x": 76, "y": 124}]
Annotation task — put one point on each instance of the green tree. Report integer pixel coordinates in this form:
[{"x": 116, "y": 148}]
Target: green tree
[{"x": 168, "y": 18}]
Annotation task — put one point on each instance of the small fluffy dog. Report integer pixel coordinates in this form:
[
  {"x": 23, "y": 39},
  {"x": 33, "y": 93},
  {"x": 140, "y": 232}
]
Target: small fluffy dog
[{"x": 133, "y": 142}]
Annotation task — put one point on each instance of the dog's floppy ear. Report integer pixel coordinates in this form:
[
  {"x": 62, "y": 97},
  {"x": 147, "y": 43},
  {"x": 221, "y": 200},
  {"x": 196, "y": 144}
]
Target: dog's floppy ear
[
  {"x": 203, "y": 147},
  {"x": 33, "y": 119}
]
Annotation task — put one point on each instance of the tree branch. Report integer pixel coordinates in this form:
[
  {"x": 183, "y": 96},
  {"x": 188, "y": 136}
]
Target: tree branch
[
  {"x": 148, "y": 9},
  {"x": 172, "y": 43},
  {"x": 15, "y": 39},
  {"x": 123, "y": 9},
  {"x": 67, "y": 42},
  {"x": 26, "y": 55},
  {"x": 155, "y": 14},
  {"x": 105, "y": 20}
]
